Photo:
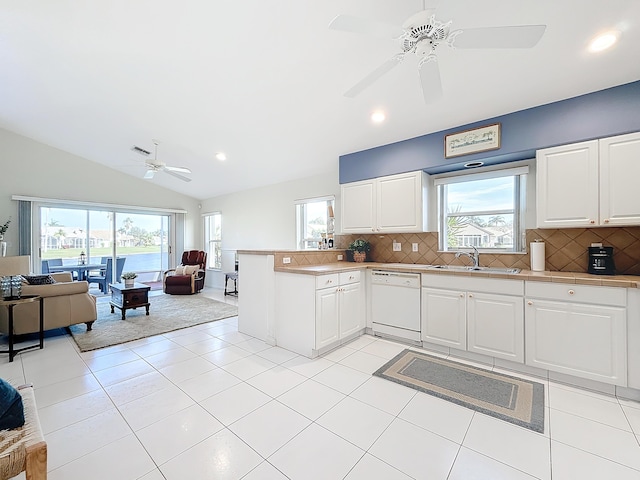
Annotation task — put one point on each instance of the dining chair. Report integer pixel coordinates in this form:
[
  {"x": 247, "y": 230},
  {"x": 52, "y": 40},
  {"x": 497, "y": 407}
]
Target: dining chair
[
  {"x": 103, "y": 281},
  {"x": 48, "y": 266}
]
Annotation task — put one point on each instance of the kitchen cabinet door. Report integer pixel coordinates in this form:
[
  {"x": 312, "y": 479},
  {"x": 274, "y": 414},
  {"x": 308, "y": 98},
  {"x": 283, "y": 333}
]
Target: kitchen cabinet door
[
  {"x": 619, "y": 174},
  {"x": 587, "y": 341},
  {"x": 351, "y": 308},
  {"x": 567, "y": 186},
  {"x": 358, "y": 207},
  {"x": 444, "y": 317},
  {"x": 495, "y": 326},
  {"x": 399, "y": 203},
  {"x": 327, "y": 325}
]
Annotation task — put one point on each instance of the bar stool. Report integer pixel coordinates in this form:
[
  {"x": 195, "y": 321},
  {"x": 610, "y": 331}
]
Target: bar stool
[{"x": 231, "y": 276}]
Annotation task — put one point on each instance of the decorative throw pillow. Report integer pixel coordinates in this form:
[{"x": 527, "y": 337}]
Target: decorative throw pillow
[
  {"x": 191, "y": 269},
  {"x": 179, "y": 270},
  {"x": 11, "y": 408},
  {"x": 38, "y": 279}
]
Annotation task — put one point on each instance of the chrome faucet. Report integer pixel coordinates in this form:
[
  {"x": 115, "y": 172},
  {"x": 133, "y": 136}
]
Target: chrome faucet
[{"x": 475, "y": 256}]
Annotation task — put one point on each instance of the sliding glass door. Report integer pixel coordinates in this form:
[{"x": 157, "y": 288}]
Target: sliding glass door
[
  {"x": 134, "y": 241},
  {"x": 143, "y": 239}
]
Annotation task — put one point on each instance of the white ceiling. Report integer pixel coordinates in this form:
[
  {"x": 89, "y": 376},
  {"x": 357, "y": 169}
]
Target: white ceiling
[{"x": 262, "y": 80}]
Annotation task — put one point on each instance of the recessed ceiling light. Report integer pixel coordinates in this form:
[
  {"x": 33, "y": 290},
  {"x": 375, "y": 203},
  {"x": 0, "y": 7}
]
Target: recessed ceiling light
[
  {"x": 378, "y": 116},
  {"x": 604, "y": 41},
  {"x": 221, "y": 156}
]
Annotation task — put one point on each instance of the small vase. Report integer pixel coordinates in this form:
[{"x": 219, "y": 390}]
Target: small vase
[
  {"x": 128, "y": 282},
  {"x": 359, "y": 256}
]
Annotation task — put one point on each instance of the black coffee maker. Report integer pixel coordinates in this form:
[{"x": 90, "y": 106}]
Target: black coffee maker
[{"x": 601, "y": 261}]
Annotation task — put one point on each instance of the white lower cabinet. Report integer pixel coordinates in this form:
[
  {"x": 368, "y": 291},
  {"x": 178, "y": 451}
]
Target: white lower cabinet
[
  {"x": 316, "y": 313},
  {"x": 495, "y": 325},
  {"x": 577, "y": 330},
  {"x": 473, "y": 319},
  {"x": 339, "y": 313},
  {"x": 444, "y": 317}
]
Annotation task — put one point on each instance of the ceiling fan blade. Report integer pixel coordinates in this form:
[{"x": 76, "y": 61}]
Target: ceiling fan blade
[
  {"x": 348, "y": 23},
  {"x": 177, "y": 169},
  {"x": 515, "y": 36},
  {"x": 177, "y": 175},
  {"x": 149, "y": 174},
  {"x": 373, "y": 76},
  {"x": 430, "y": 79}
]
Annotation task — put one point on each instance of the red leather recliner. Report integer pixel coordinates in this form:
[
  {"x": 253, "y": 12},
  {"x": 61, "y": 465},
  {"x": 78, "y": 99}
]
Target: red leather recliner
[{"x": 186, "y": 284}]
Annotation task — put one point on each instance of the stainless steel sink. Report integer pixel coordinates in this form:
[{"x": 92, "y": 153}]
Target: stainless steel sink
[{"x": 460, "y": 268}]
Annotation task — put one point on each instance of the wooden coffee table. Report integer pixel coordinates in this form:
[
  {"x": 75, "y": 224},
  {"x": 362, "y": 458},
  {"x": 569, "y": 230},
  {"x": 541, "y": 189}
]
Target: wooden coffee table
[{"x": 124, "y": 297}]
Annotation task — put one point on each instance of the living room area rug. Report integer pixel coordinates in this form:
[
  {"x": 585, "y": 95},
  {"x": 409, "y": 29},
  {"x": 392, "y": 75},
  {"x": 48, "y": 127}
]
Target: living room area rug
[
  {"x": 502, "y": 396},
  {"x": 166, "y": 313}
]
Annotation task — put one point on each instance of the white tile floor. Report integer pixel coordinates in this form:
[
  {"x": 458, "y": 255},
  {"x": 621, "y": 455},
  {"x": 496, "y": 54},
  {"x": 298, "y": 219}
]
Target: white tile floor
[{"x": 209, "y": 402}]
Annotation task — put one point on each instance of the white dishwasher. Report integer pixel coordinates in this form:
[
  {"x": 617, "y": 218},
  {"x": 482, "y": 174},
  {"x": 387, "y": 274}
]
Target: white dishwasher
[{"x": 395, "y": 304}]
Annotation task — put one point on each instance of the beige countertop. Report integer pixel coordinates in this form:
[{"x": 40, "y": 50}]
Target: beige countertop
[{"x": 626, "y": 281}]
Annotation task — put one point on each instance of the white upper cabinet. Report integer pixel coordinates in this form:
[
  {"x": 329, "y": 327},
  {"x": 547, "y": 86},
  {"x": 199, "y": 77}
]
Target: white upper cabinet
[
  {"x": 589, "y": 184},
  {"x": 567, "y": 185},
  {"x": 358, "y": 207},
  {"x": 387, "y": 204},
  {"x": 619, "y": 173}
]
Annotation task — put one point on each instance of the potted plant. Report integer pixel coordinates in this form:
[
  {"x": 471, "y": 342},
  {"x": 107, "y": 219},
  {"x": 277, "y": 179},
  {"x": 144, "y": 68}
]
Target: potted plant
[
  {"x": 359, "y": 248},
  {"x": 129, "y": 278}
]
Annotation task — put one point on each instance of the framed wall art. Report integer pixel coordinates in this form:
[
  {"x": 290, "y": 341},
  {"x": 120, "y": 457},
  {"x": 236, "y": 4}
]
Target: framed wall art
[{"x": 474, "y": 140}]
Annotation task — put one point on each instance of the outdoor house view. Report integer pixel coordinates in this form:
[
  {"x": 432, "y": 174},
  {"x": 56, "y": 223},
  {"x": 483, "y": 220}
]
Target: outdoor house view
[{"x": 73, "y": 236}]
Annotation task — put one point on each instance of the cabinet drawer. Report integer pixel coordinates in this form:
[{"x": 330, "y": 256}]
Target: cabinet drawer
[
  {"x": 326, "y": 281},
  {"x": 347, "y": 278},
  {"x": 577, "y": 293}
]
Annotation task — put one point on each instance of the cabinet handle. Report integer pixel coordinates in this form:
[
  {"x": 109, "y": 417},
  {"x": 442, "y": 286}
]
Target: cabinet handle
[
  {"x": 329, "y": 281},
  {"x": 373, "y": 229},
  {"x": 571, "y": 292},
  {"x": 592, "y": 222},
  {"x": 529, "y": 302},
  {"x": 606, "y": 220},
  {"x": 351, "y": 277},
  {"x": 471, "y": 295},
  {"x": 461, "y": 295}
]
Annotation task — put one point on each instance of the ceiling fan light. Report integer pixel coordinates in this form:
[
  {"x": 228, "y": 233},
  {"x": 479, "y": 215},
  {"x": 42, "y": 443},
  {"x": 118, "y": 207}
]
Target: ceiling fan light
[
  {"x": 221, "y": 156},
  {"x": 603, "y": 41}
]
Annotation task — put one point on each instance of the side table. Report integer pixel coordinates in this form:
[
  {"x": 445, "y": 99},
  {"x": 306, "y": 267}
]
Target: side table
[
  {"x": 124, "y": 297},
  {"x": 10, "y": 304}
]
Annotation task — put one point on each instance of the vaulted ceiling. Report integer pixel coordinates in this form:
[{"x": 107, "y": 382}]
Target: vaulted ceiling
[{"x": 263, "y": 80}]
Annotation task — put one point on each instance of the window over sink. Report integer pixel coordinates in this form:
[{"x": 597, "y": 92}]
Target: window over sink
[{"x": 484, "y": 210}]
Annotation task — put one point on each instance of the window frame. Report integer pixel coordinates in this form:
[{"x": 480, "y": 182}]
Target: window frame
[
  {"x": 209, "y": 221},
  {"x": 301, "y": 221},
  {"x": 519, "y": 173}
]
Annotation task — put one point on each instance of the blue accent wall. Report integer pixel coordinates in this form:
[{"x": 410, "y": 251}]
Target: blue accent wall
[{"x": 605, "y": 113}]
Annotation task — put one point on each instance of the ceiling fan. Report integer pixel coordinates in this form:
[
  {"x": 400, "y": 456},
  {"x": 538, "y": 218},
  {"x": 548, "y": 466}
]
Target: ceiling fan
[
  {"x": 421, "y": 34},
  {"x": 155, "y": 166}
]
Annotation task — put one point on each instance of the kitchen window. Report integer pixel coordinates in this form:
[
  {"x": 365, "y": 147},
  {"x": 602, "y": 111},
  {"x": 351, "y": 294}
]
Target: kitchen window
[
  {"x": 483, "y": 210},
  {"x": 213, "y": 239},
  {"x": 314, "y": 221}
]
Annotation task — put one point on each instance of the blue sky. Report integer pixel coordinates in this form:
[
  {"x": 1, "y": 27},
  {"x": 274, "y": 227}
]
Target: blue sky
[{"x": 479, "y": 195}]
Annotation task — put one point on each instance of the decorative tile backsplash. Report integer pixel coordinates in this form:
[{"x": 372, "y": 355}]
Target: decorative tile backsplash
[{"x": 566, "y": 249}]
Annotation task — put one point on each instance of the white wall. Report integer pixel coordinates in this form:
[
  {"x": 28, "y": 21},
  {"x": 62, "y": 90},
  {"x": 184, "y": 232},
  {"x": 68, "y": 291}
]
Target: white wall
[
  {"x": 264, "y": 218},
  {"x": 34, "y": 169}
]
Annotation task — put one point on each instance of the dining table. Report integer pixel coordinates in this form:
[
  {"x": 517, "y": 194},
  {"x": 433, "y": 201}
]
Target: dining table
[{"x": 80, "y": 269}]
